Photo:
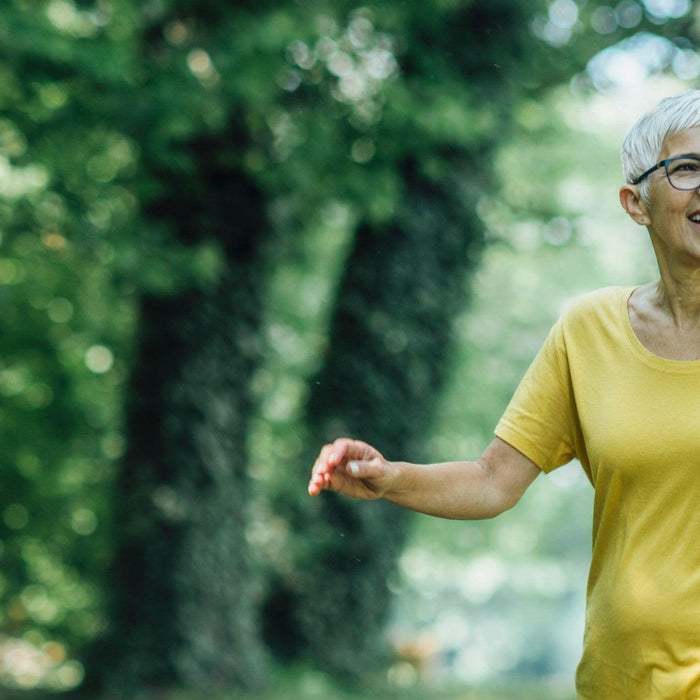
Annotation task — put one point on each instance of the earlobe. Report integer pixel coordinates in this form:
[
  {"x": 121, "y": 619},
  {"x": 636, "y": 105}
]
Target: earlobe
[{"x": 633, "y": 204}]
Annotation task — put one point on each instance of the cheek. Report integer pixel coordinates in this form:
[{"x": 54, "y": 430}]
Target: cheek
[{"x": 671, "y": 204}]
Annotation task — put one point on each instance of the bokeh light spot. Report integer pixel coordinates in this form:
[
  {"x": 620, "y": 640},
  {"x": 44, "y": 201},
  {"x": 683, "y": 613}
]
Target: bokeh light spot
[
  {"x": 99, "y": 359},
  {"x": 15, "y": 516},
  {"x": 563, "y": 13},
  {"x": 604, "y": 20},
  {"x": 667, "y": 9},
  {"x": 686, "y": 64},
  {"x": 84, "y": 521},
  {"x": 60, "y": 310},
  {"x": 629, "y": 14},
  {"x": 363, "y": 150}
]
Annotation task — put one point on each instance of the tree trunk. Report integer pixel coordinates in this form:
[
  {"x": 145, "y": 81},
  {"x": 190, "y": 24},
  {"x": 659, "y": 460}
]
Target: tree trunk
[{"x": 186, "y": 587}]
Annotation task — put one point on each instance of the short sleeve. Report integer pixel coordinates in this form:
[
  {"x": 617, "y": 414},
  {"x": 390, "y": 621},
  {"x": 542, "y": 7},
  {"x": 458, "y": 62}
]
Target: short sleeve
[{"x": 541, "y": 420}]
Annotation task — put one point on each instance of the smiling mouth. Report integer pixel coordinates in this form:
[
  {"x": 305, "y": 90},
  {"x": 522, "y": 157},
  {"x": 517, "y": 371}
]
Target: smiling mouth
[{"x": 695, "y": 217}]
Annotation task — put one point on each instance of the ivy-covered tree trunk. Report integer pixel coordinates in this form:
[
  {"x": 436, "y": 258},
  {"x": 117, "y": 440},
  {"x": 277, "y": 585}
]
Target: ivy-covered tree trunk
[
  {"x": 383, "y": 373},
  {"x": 186, "y": 590},
  {"x": 404, "y": 284}
]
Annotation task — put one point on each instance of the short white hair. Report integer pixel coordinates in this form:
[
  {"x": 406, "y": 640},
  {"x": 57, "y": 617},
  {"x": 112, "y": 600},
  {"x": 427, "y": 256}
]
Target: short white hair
[{"x": 642, "y": 145}]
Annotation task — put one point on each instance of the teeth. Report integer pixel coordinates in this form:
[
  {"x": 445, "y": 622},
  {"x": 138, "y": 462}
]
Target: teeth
[{"x": 695, "y": 218}]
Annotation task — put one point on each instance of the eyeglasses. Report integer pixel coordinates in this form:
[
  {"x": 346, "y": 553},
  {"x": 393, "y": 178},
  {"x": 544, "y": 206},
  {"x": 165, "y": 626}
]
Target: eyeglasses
[{"x": 683, "y": 172}]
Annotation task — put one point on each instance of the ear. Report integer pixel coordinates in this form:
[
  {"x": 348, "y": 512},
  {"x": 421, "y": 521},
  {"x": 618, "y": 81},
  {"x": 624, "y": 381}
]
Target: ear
[{"x": 634, "y": 205}]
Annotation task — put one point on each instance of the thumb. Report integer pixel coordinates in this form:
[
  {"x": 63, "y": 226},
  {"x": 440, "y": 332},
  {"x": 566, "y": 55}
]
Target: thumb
[
  {"x": 354, "y": 468},
  {"x": 362, "y": 470}
]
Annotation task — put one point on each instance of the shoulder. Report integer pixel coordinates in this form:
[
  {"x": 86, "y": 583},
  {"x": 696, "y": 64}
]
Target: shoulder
[
  {"x": 594, "y": 320},
  {"x": 600, "y": 305},
  {"x": 594, "y": 323}
]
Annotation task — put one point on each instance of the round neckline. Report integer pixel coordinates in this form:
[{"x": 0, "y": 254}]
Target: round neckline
[{"x": 641, "y": 350}]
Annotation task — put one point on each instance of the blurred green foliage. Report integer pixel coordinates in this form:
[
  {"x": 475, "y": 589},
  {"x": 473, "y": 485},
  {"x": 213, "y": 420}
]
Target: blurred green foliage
[{"x": 317, "y": 103}]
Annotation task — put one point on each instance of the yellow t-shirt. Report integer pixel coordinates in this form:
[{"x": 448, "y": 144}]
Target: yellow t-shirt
[{"x": 633, "y": 420}]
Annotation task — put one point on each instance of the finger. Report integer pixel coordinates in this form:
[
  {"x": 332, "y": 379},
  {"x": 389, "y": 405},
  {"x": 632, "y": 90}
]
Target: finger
[
  {"x": 320, "y": 472},
  {"x": 318, "y": 482},
  {"x": 363, "y": 470},
  {"x": 315, "y": 486},
  {"x": 322, "y": 463},
  {"x": 339, "y": 451}
]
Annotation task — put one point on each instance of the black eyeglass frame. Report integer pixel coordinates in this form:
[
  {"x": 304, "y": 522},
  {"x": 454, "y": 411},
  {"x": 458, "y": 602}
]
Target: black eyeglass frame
[{"x": 664, "y": 164}]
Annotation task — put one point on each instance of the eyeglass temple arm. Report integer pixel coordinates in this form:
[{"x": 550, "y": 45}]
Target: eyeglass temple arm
[{"x": 662, "y": 164}]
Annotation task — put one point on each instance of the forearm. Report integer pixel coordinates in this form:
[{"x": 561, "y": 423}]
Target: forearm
[{"x": 458, "y": 490}]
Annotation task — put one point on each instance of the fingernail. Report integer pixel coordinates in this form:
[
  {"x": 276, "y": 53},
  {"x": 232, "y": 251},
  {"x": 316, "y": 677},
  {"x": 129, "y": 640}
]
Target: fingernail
[{"x": 354, "y": 467}]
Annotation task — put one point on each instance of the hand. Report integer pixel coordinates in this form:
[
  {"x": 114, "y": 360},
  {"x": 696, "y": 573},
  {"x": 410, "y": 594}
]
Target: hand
[{"x": 352, "y": 468}]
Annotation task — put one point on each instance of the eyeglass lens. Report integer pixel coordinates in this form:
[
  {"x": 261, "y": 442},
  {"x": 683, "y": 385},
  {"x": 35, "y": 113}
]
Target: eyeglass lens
[{"x": 684, "y": 173}]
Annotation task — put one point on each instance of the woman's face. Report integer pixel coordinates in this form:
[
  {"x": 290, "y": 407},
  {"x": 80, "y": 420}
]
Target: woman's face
[{"x": 674, "y": 215}]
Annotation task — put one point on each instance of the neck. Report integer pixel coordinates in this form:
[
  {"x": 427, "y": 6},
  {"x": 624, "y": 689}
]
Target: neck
[{"x": 677, "y": 293}]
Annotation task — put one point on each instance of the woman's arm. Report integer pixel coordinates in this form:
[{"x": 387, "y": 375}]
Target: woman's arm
[{"x": 462, "y": 490}]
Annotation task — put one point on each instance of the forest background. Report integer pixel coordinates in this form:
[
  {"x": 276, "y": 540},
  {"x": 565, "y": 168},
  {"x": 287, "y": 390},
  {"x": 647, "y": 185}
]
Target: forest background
[{"x": 231, "y": 231}]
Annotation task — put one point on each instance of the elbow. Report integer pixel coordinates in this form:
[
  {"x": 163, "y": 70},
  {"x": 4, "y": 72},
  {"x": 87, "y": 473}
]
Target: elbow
[
  {"x": 490, "y": 509},
  {"x": 510, "y": 498},
  {"x": 510, "y": 501},
  {"x": 501, "y": 502}
]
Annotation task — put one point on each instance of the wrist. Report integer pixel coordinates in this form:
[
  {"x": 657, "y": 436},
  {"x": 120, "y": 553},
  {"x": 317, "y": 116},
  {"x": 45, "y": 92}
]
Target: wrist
[{"x": 395, "y": 472}]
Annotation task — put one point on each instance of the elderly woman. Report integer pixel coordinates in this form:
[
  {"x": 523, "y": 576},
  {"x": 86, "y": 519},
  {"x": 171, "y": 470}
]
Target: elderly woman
[{"x": 617, "y": 386}]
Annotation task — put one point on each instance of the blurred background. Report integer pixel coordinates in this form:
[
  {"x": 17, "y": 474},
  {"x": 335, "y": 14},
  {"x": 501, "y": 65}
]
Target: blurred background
[{"x": 231, "y": 231}]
